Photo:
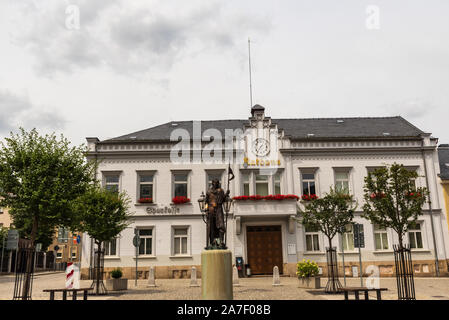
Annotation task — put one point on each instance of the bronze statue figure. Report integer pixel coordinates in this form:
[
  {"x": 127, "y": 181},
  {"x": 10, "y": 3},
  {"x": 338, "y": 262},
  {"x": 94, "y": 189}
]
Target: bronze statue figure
[{"x": 216, "y": 225}]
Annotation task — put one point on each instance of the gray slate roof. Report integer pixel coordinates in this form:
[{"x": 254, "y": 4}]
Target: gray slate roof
[
  {"x": 321, "y": 128},
  {"x": 443, "y": 155}
]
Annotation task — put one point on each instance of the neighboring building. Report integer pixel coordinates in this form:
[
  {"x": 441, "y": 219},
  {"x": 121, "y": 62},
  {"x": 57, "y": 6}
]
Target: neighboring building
[
  {"x": 68, "y": 249},
  {"x": 5, "y": 218},
  {"x": 280, "y": 156},
  {"x": 443, "y": 155}
]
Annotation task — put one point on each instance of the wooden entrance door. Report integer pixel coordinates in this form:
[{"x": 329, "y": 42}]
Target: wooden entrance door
[{"x": 264, "y": 248}]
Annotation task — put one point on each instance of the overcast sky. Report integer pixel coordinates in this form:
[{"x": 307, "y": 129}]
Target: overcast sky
[{"x": 129, "y": 65}]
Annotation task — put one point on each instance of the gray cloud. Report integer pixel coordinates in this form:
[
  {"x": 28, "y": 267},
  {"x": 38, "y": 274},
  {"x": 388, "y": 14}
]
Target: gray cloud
[
  {"x": 133, "y": 41},
  {"x": 17, "y": 110}
]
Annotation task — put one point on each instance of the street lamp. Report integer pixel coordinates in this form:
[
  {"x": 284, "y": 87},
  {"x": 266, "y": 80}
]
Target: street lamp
[
  {"x": 227, "y": 204},
  {"x": 202, "y": 202}
]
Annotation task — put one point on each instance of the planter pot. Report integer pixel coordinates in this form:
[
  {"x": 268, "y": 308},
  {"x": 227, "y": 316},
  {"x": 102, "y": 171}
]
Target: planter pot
[
  {"x": 116, "y": 284},
  {"x": 310, "y": 282}
]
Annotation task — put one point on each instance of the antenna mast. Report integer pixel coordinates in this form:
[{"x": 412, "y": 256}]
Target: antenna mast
[{"x": 250, "y": 80}]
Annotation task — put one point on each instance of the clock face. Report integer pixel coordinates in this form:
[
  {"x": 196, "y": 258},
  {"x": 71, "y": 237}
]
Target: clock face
[{"x": 261, "y": 147}]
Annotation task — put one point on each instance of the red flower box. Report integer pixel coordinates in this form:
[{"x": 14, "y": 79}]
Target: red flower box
[
  {"x": 180, "y": 200},
  {"x": 146, "y": 200},
  {"x": 307, "y": 197}
]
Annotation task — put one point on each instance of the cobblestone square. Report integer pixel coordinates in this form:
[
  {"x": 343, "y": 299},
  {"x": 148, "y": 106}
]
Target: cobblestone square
[{"x": 254, "y": 288}]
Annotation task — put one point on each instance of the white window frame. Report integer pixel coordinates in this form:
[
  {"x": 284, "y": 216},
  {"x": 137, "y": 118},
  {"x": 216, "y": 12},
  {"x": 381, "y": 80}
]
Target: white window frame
[
  {"x": 421, "y": 230},
  {"x": 109, "y": 174},
  {"x": 65, "y": 236},
  {"x": 278, "y": 173},
  {"x": 60, "y": 251},
  {"x": 214, "y": 172},
  {"x": 173, "y": 182},
  {"x": 188, "y": 236},
  {"x": 267, "y": 182},
  {"x": 242, "y": 184},
  {"x": 252, "y": 181},
  {"x": 312, "y": 234},
  {"x": 108, "y": 243},
  {"x": 152, "y": 254},
  {"x": 73, "y": 249},
  {"x": 345, "y": 239},
  {"x": 313, "y": 171},
  {"x": 153, "y": 183},
  {"x": 380, "y": 231},
  {"x": 346, "y": 171}
]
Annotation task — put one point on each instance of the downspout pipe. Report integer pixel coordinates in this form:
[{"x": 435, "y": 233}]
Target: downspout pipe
[{"x": 437, "y": 268}]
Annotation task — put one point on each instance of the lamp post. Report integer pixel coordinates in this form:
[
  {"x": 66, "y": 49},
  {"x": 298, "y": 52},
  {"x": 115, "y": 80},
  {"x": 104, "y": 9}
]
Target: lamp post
[
  {"x": 227, "y": 207},
  {"x": 203, "y": 207}
]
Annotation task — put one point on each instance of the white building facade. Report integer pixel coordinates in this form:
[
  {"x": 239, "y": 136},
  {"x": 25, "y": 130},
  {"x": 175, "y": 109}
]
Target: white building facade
[{"x": 272, "y": 156}]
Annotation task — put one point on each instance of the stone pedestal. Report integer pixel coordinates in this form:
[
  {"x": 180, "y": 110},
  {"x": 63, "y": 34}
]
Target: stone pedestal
[
  {"x": 216, "y": 275},
  {"x": 193, "y": 282},
  {"x": 151, "y": 278}
]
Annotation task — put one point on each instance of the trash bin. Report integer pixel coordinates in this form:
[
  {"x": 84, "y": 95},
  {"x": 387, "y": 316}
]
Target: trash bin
[
  {"x": 239, "y": 265},
  {"x": 248, "y": 270}
]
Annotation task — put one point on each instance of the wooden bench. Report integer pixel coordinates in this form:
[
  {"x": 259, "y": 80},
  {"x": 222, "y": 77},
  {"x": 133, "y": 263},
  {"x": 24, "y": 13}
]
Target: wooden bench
[
  {"x": 64, "y": 293},
  {"x": 357, "y": 290}
]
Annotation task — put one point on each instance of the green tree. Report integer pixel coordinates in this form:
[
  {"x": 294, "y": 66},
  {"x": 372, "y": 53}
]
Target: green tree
[
  {"x": 392, "y": 200},
  {"x": 102, "y": 214},
  {"x": 329, "y": 214},
  {"x": 40, "y": 177}
]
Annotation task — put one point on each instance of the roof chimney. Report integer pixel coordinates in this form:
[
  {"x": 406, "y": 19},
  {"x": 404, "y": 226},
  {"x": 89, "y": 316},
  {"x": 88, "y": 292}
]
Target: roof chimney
[{"x": 257, "y": 109}]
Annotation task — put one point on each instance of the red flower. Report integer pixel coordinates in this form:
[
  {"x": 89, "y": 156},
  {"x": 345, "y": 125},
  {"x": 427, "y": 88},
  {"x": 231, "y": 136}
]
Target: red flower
[
  {"x": 146, "y": 200},
  {"x": 306, "y": 197},
  {"x": 180, "y": 200}
]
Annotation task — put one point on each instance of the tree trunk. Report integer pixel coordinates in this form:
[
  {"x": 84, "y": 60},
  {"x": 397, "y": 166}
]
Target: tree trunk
[
  {"x": 29, "y": 264},
  {"x": 402, "y": 266},
  {"x": 98, "y": 268}
]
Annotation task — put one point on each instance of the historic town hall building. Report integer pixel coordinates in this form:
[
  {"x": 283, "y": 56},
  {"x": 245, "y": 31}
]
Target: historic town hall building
[{"x": 269, "y": 157}]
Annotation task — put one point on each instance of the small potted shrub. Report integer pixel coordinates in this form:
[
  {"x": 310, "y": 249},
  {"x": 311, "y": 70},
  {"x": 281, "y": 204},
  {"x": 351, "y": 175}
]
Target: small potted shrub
[
  {"x": 307, "y": 272},
  {"x": 117, "y": 283}
]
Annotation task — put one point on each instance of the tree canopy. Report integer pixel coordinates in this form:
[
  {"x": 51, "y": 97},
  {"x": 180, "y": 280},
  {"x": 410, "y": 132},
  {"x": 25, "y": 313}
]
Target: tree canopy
[
  {"x": 40, "y": 176},
  {"x": 103, "y": 214},
  {"x": 329, "y": 214},
  {"x": 392, "y": 199}
]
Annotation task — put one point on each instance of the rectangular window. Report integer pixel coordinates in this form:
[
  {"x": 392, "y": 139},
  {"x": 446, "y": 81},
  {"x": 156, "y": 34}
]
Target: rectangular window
[
  {"x": 342, "y": 181},
  {"x": 180, "y": 241},
  {"x": 146, "y": 241},
  {"x": 308, "y": 183},
  {"x": 145, "y": 186},
  {"x": 415, "y": 237},
  {"x": 180, "y": 184},
  {"x": 63, "y": 235},
  {"x": 59, "y": 254},
  {"x": 73, "y": 252},
  {"x": 348, "y": 238},
  {"x": 312, "y": 239},
  {"x": 380, "y": 238},
  {"x": 213, "y": 176},
  {"x": 277, "y": 183},
  {"x": 1, "y": 210},
  {"x": 112, "y": 182},
  {"x": 110, "y": 248},
  {"x": 261, "y": 185},
  {"x": 245, "y": 184}
]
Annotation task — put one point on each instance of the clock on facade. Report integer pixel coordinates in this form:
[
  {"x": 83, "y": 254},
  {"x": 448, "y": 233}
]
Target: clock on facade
[{"x": 261, "y": 147}]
